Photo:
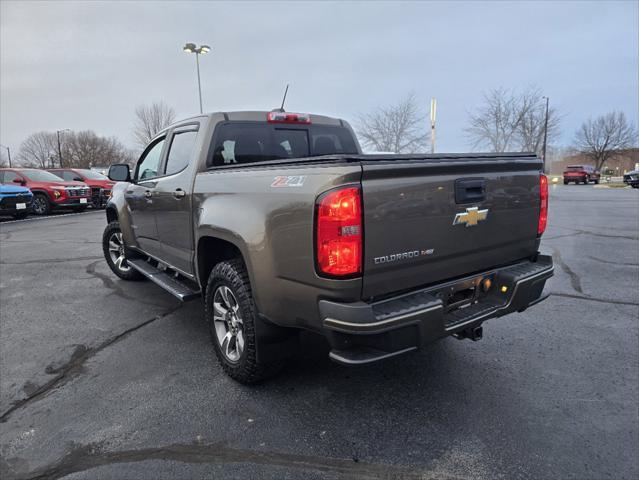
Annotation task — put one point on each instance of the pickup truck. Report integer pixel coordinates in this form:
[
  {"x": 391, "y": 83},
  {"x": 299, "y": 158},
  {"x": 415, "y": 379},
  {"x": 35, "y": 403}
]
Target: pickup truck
[
  {"x": 280, "y": 223},
  {"x": 581, "y": 173}
]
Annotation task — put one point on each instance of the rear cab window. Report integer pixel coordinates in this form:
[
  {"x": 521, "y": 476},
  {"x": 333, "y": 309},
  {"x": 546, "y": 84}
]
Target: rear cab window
[{"x": 249, "y": 142}]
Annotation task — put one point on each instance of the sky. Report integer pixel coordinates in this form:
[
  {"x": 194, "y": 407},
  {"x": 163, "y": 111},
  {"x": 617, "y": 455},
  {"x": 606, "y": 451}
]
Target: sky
[{"x": 88, "y": 64}]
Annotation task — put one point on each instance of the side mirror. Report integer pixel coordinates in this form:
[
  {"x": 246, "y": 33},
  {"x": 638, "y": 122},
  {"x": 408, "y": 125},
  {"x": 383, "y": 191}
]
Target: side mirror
[
  {"x": 18, "y": 180},
  {"x": 78, "y": 179},
  {"x": 120, "y": 172}
]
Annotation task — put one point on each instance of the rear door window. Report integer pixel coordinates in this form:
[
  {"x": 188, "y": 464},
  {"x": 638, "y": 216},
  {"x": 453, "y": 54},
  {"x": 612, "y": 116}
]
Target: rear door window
[{"x": 181, "y": 150}]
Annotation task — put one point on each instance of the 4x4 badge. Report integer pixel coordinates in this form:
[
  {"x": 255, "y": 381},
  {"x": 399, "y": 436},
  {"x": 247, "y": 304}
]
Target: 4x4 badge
[{"x": 471, "y": 217}]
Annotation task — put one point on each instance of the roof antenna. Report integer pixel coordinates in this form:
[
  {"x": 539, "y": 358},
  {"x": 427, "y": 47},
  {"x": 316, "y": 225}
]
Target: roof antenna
[{"x": 281, "y": 109}]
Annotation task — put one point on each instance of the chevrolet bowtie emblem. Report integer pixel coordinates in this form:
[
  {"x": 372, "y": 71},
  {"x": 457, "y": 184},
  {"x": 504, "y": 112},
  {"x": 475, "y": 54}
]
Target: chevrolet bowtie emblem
[{"x": 471, "y": 217}]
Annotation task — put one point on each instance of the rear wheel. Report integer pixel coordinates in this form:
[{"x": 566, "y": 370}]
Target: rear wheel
[
  {"x": 41, "y": 205},
  {"x": 231, "y": 314},
  {"x": 116, "y": 253}
]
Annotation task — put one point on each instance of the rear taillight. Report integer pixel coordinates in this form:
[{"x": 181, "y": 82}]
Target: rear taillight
[
  {"x": 543, "y": 204},
  {"x": 339, "y": 232},
  {"x": 285, "y": 117}
]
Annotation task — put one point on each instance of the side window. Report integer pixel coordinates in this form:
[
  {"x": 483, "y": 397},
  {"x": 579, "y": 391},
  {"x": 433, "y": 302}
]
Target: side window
[
  {"x": 149, "y": 164},
  {"x": 9, "y": 177},
  {"x": 181, "y": 151},
  {"x": 66, "y": 175}
]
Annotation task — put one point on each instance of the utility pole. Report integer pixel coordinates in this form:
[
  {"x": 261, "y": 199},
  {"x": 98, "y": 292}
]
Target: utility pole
[
  {"x": 8, "y": 154},
  {"x": 58, "y": 132},
  {"x": 545, "y": 135},
  {"x": 433, "y": 115}
]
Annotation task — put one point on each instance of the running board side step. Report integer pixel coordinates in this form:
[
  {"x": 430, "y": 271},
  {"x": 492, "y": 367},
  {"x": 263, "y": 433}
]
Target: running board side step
[{"x": 174, "y": 286}]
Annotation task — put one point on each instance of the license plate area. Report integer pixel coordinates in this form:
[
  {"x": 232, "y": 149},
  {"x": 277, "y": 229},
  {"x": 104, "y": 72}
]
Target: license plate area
[
  {"x": 463, "y": 294},
  {"x": 21, "y": 206},
  {"x": 83, "y": 200}
]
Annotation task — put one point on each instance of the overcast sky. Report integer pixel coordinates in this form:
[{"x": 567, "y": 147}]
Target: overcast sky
[{"x": 86, "y": 65}]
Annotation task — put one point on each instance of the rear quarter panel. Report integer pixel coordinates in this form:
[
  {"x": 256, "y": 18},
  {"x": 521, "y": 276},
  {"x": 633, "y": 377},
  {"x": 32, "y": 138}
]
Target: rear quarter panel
[{"x": 273, "y": 229}]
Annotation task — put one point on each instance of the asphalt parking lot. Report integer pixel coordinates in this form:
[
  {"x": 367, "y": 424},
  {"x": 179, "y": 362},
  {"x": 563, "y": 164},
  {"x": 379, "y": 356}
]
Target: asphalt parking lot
[{"x": 101, "y": 378}]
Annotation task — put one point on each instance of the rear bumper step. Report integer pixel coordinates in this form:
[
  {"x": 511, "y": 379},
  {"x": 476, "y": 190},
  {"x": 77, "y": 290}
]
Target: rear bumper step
[
  {"x": 363, "y": 332},
  {"x": 180, "y": 289}
]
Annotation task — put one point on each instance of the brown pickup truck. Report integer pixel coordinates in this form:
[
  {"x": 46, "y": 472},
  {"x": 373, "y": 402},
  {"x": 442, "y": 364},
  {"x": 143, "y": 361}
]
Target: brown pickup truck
[{"x": 280, "y": 223}]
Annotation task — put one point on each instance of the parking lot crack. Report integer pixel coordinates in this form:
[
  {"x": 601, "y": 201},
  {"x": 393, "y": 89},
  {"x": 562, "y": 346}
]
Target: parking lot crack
[
  {"x": 574, "y": 278},
  {"x": 88, "y": 457},
  {"x": 63, "y": 373},
  {"x": 51, "y": 260},
  {"x": 594, "y": 299}
]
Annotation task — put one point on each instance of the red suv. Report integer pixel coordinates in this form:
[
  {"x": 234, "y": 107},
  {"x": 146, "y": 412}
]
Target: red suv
[
  {"x": 581, "y": 173},
  {"x": 49, "y": 190},
  {"x": 100, "y": 185}
]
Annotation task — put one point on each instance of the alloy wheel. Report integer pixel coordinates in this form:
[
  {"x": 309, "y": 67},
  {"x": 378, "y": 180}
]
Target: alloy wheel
[
  {"x": 116, "y": 252},
  {"x": 229, "y": 326}
]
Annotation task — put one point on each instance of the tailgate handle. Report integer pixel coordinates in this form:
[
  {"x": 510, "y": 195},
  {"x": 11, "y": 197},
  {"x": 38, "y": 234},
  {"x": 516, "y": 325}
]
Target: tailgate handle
[{"x": 470, "y": 190}]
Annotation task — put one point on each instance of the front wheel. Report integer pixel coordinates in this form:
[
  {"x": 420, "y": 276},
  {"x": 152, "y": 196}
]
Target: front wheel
[
  {"x": 41, "y": 205},
  {"x": 116, "y": 253},
  {"x": 231, "y": 314}
]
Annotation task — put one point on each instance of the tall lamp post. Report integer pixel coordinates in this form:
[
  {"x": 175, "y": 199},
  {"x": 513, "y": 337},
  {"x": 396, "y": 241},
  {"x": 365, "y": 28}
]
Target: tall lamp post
[
  {"x": 433, "y": 115},
  {"x": 8, "y": 153},
  {"x": 58, "y": 132},
  {"x": 545, "y": 134},
  {"x": 192, "y": 48}
]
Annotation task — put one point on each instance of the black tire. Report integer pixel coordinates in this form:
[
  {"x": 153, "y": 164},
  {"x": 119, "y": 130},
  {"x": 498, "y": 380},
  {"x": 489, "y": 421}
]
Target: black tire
[
  {"x": 635, "y": 185},
  {"x": 232, "y": 274},
  {"x": 121, "y": 269},
  {"x": 565, "y": 182},
  {"x": 41, "y": 204},
  {"x": 20, "y": 216},
  {"x": 596, "y": 182}
]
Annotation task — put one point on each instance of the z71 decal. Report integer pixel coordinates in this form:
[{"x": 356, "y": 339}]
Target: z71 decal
[{"x": 288, "y": 181}]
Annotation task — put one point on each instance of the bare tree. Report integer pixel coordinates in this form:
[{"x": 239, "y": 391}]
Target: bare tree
[
  {"x": 149, "y": 120},
  {"x": 39, "y": 150},
  {"x": 603, "y": 138},
  {"x": 86, "y": 149},
  {"x": 395, "y": 128},
  {"x": 509, "y": 121}
]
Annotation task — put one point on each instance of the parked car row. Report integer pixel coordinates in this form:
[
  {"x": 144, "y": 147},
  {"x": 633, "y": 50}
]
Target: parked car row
[{"x": 32, "y": 190}]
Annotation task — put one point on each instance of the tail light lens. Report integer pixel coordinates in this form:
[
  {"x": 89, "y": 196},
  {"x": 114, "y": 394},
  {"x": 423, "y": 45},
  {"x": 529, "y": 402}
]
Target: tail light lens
[
  {"x": 543, "y": 204},
  {"x": 339, "y": 232}
]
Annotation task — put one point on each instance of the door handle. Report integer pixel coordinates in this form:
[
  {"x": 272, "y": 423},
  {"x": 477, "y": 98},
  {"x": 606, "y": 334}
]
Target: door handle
[
  {"x": 148, "y": 193},
  {"x": 179, "y": 193}
]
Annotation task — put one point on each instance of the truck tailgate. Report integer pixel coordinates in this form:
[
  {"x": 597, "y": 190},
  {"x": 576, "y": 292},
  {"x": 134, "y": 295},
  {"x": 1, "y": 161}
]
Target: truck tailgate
[{"x": 411, "y": 235}]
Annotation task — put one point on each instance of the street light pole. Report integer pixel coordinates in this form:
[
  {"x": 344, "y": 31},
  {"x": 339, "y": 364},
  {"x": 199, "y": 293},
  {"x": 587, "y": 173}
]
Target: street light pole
[
  {"x": 192, "y": 48},
  {"x": 8, "y": 154},
  {"x": 545, "y": 134}
]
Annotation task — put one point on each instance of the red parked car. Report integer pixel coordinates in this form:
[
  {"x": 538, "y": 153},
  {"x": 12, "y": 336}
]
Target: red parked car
[
  {"x": 581, "y": 173},
  {"x": 49, "y": 190},
  {"x": 100, "y": 184}
]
